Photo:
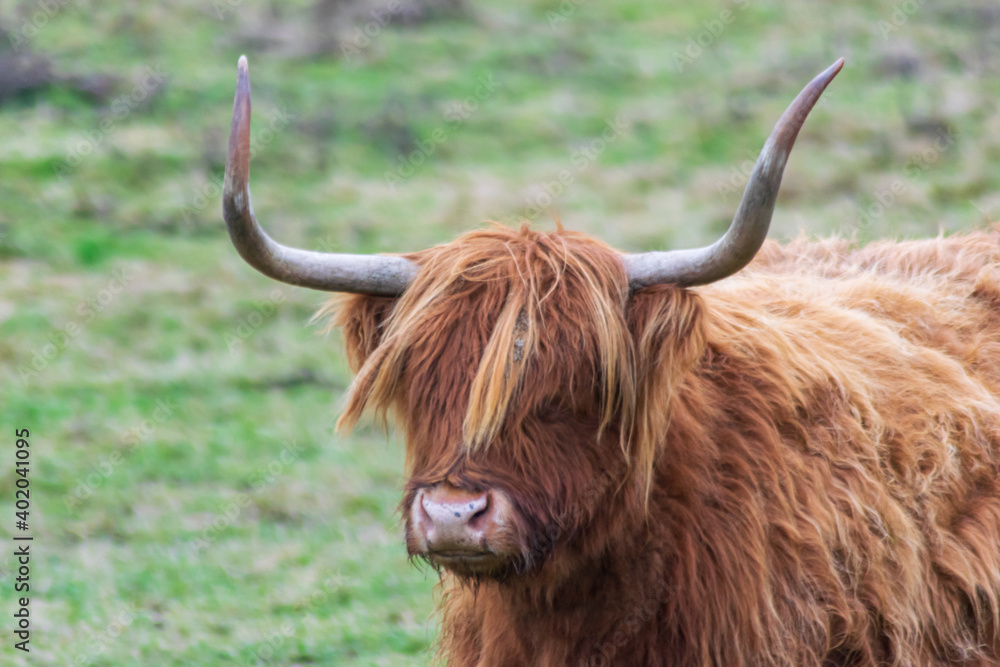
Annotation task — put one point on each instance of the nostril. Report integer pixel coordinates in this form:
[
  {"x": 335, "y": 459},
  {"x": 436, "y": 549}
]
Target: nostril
[
  {"x": 424, "y": 508},
  {"x": 479, "y": 509}
]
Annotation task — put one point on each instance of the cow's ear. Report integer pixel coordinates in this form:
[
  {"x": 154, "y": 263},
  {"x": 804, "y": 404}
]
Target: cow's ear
[
  {"x": 669, "y": 333},
  {"x": 361, "y": 319}
]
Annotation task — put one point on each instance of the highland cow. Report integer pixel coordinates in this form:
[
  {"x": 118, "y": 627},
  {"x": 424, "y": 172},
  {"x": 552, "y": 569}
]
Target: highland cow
[{"x": 747, "y": 454}]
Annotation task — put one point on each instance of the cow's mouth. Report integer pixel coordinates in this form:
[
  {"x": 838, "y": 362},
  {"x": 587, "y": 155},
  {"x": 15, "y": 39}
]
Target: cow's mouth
[{"x": 470, "y": 563}]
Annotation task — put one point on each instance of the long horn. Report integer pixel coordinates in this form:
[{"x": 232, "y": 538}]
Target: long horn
[
  {"x": 749, "y": 228},
  {"x": 331, "y": 272}
]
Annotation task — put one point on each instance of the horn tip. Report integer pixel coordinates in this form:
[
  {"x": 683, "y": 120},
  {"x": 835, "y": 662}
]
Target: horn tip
[
  {"x": 242, "y": 79},
  {"x": 824, "y": 78},
  {"x": 835, "y": 68}
]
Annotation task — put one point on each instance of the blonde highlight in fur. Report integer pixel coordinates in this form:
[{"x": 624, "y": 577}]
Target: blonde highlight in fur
[{"x": 529, "y": 272}]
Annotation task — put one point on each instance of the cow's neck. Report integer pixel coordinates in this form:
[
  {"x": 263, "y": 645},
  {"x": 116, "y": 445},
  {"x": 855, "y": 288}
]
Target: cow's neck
[{"x": 598, "y": 614}]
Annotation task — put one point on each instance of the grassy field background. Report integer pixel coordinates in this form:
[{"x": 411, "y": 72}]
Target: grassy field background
[{"x": 191, "y": 504}]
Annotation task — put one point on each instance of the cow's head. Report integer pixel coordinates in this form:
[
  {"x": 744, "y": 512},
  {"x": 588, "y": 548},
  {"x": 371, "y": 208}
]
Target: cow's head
[{"x": 532, "y": 372}]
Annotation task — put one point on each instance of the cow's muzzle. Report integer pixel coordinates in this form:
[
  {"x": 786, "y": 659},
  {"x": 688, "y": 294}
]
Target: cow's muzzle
[{"x": 458, "y": 529}]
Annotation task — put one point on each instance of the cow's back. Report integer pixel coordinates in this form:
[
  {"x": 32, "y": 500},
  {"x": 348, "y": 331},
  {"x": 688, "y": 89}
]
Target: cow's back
[
  {"x": 876, "y": 463},
  {"x": 939, "y": 293}
]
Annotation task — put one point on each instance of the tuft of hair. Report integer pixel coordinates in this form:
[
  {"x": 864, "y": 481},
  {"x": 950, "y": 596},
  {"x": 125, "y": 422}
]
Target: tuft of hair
[{"x": 540, "y": 289}]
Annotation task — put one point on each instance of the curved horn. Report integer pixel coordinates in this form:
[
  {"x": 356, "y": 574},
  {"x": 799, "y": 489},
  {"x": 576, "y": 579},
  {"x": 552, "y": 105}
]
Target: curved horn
[
  {"x": 331, "y": 272},
  {"x": 749, "y": 228}
]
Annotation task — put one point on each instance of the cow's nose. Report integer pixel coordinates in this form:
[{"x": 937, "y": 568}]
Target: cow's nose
[{"x": 453, "y": 520}]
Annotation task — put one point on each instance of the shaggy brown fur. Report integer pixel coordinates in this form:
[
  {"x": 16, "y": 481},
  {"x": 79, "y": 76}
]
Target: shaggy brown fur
[{"x": 798, "y": 465}]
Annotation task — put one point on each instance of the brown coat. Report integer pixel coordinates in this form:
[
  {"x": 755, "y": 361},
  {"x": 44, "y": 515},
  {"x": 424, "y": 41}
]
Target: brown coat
[{"x": 798, "y": 465}]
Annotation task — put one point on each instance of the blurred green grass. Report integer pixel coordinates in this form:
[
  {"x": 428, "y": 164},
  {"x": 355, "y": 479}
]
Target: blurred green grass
[{"x": 190, "y": 541}]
